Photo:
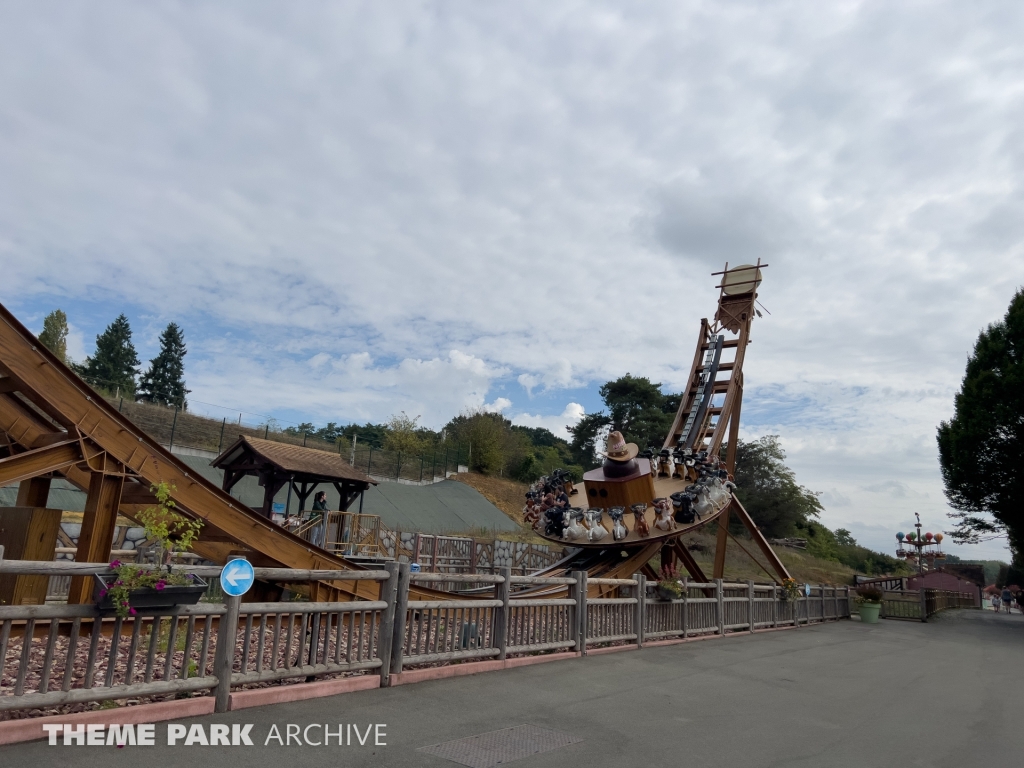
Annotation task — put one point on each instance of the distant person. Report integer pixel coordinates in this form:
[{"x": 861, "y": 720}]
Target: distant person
[
  {"x": 1007, "y": 598},
  {"x": 316, "y": 536},
  {"x": 1020, "y": 600},
  {"x": 996, "y": 602}
]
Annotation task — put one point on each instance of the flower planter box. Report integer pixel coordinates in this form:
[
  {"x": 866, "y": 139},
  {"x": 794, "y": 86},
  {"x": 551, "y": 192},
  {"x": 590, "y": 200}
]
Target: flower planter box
[
  {"x": 149, "y": 598},
  {"x": 869, "y": 612}
]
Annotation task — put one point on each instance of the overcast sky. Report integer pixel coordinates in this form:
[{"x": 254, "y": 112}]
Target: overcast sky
[{"x": 357, "y": 209}]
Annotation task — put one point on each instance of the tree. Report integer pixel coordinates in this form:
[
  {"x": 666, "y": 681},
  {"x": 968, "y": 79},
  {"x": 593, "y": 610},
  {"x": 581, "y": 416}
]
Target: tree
[
  {"x": 115, "y": 363},
  {"x": 768, "y": 490},
  {"x": 980, "y": 448},
  {"x": 164, "y": 382},
  {"x": 401, "y": 435},
  {"x": 54, "y": 335},
  {"x": 636, "y": 407}
]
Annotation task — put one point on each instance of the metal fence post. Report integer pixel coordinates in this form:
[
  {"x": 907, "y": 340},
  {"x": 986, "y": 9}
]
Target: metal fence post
[
  {"x": 750, "y": 605},
  {"x": 401, "y": 609},
  {"x": 224, "y": 656},
  {"x": 170, "y": 445},
  {"x": 388, "y": 594},
  {"x": 639, "y": 615},
  {"x": 720, "y": 605},
  {"x": 580, "y": 589},
  {"x": 503, "y": 592}
]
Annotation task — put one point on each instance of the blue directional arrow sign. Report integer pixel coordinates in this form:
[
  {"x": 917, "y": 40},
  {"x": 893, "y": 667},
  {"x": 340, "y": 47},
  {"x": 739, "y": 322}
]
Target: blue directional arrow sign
[{"x": 237, "y": 577}]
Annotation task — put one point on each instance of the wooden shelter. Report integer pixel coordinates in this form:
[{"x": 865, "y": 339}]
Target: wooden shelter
[{"x": 278, "y": 464}]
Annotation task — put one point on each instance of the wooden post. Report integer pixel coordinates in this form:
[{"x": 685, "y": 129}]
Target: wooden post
[
  {"x": 416, "y": 548},
  {"x": 503, "y": 592},
  {"x": 224, "y": 655},
  {"x": 580, "y": 590},
  {"x": 388, "y": 594},
  {"x": 750, "y": 605},
  {"x": 401, "y": 609},
  {"x": 472, "y": 555},
  {"x": 97, "y": 534},
  {"x": 775, "y": 605},
  {"x": 433, "y": 554},
  {"x": 639, "y": 616},
  {"x": 847, "y": 611},
  {"x": 822, "y": 603},
  {"x": 721, "y": 543},
  {"x": 924, "y": 605},
  {"x": 720, "y": 606},
  {"x": 686, "y": 606},
  {"x": 33, "y": 492}
]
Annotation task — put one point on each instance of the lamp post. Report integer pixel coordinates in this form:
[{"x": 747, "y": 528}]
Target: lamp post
[{"x": 926, "y": 548}]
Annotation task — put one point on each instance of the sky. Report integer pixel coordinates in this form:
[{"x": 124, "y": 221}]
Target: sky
[{"x": 357, "y": 209}]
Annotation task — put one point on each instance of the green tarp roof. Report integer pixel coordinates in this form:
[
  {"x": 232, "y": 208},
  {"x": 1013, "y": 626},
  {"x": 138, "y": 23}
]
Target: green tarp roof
[{"x": 445, "y": 507}]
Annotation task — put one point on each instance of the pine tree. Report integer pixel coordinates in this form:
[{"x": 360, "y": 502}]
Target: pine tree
[
  {"x": 164, "y": 382},
  {"x": 54, "y": 335},
  {"x": 115, "y": 363}
]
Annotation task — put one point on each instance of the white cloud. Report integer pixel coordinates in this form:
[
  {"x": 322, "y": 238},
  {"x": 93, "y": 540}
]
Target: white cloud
[
  {"x": 439, "y": 199},
  {"x": 570, "y": 416},
  {"x": 499, "y": 405}
]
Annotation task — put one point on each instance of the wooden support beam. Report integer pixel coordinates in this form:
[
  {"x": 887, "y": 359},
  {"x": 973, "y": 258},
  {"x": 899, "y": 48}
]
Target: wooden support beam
[
  {"x": 759, "y": 539},
  {"x": 721, "y": 543},
  {"x": 33, "y": 492},
  {"x": 691, "y": 565},
  {"x": 41, "y": 461},
  {"x": 98, "y": 524}
]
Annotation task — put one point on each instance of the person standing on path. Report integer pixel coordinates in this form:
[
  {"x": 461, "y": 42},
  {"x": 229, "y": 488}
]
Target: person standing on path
[
  {"x": 1007, "y": 598},
  {"x": 995, "y": 601},
  {"x": 1020, "y": 600}
]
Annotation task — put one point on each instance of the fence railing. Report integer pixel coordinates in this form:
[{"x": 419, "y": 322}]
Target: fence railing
[
  {"x": 68, "y": 654},
  {"x": 919, "y": 604}
]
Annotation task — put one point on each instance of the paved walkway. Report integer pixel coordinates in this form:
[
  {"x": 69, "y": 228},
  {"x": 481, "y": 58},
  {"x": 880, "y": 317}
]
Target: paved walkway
[{"x": 946, "y": 693}]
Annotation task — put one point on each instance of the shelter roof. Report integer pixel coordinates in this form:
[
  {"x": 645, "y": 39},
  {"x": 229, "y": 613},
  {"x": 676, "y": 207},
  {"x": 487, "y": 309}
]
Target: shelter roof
[{"x": 290, "y": 459}]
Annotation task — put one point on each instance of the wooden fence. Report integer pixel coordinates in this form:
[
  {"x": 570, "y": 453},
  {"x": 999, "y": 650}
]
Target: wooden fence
[
  {"x": 919, "y": 604},
  {"x": 68, "y": 654}
]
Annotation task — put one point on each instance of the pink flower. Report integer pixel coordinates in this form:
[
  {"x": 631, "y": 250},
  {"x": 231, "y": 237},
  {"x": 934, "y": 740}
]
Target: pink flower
[
  {"x": 131, "y": 611},
  {"x": 160, "y": 585},
  {"x": 116, "y": 564},
  {"x": 103, "y": 593}
]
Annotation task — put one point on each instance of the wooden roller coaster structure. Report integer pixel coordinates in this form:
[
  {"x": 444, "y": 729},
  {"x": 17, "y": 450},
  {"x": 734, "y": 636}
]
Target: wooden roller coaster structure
[{"x": 52, "y": 424}]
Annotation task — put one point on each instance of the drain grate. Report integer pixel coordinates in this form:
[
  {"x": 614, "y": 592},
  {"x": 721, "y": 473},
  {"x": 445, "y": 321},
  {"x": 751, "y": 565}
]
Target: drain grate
[{"x": 487, "y": 750}]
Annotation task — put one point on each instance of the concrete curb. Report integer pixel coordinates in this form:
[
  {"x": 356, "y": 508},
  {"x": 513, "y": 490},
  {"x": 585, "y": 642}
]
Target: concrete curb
[
  {"x": 474, "y": 668},
  {"x": 15, "y": 731},
  {"x": 282, "y": 694}
]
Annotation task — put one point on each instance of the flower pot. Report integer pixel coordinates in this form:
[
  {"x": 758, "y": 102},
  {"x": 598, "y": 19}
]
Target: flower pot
[
  {"x": 869, "y": 612},
  {"x": 149, "y": 598},
  {"x": 664, "y": 593}
]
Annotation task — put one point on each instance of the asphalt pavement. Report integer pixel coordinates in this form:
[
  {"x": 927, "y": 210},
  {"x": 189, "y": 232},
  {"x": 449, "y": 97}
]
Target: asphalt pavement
[{"x": 945, "y": 693}]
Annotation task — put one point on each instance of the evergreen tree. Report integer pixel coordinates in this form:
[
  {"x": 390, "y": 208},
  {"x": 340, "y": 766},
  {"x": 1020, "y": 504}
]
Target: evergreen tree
[
  {"x": 115, "y": 363},
  {"x": 164, "y": 382},
  {"x": 55, "y": 334},
  {"x": 980, "y": 448}
]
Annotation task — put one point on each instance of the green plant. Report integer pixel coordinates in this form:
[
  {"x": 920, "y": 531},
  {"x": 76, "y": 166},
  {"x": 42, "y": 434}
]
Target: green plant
[
  {"x": 171, "y": 530},
  {"x": 669, "y": 581},
  {"x": 869, "y": 595},
  {"x": 790, "y": 590},
  {"x": 174, "y": 533}
]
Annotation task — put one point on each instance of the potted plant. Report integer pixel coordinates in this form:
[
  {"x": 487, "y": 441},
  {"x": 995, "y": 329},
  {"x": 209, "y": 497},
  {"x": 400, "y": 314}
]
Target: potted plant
[
  {"x": 790, "y": 591},
  {"x": 137, "y": 586},
  {"x": 870, "y": 601},
  {"x": 670, "y": 586}
]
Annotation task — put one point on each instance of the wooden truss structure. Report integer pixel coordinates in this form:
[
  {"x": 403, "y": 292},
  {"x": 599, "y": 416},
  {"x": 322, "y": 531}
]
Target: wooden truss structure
[
  {"x": 709, "y": 411},
  {"x": 52, "y": 424}
]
